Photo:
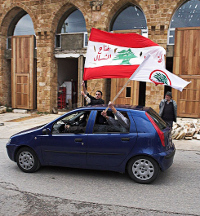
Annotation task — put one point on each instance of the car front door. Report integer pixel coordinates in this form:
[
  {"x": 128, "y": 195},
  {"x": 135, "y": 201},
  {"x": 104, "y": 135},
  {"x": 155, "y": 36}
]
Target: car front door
[
  {"x": 65, "y": 148},
  {"x": 106, "y": 148}
]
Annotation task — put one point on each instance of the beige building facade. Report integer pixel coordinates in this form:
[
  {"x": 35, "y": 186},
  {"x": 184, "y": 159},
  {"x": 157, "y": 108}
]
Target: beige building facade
[{"x": 47, "y": 17}]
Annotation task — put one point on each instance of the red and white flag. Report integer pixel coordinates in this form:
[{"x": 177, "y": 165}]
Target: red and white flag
[
  {"x": 116, "y": 55},
  {"x": 150, "y": 71}
]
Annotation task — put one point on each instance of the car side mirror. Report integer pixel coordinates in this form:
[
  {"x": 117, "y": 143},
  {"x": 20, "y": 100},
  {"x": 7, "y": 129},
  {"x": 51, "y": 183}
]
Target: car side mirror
[{"x": 46, "y": 131}]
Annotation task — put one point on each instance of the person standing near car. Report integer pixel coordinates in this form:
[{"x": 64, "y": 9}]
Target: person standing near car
[
  {"x": 97, "y": 99},
  {"x": 168, "y": 109}
]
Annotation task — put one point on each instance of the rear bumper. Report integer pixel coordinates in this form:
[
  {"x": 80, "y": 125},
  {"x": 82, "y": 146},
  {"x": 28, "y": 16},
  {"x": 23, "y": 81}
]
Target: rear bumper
[
  {"x": 165, "y": 159},
  {"x": 171, "y": 155}
]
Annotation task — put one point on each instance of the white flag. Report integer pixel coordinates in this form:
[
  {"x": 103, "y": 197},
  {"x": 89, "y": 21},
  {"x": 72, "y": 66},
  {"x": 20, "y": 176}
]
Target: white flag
[{"x": 150, "y": 71}]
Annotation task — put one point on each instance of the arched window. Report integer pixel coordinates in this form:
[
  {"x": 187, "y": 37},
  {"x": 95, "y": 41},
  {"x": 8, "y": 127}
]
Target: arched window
[
  {"x": 71, "y": 22},
  {"x": 24, "y": 26},
  {"x": 75, "y": 22},
  {"x": 21, "y": 25},
  {"x": 187, "y": 15},
  {"x": 129, "y": 17}
]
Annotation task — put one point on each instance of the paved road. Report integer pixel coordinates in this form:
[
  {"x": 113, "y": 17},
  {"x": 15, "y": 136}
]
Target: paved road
[{"x": 64, "y": 191}]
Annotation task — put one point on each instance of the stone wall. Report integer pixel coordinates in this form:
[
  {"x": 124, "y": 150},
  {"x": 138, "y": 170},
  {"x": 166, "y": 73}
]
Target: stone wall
[
  {"x": 46, "y": 14},
  {"x": 46, "y": 72}
]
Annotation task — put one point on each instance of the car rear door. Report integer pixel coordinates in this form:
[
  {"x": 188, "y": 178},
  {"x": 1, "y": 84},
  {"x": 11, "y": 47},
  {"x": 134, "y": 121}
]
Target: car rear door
[{"x": 109, "y": 149}]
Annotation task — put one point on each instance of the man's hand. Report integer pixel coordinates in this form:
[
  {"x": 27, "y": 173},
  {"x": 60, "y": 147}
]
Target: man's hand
[
  {"x": 111, "y": 106},
  {"x": 67, "y": 126},
  {"x": 104, "y": 114},
  {"x": 83, "y": 93},
  {"x": 84, "y": 89},
  {"x": 83, "y": 84}
]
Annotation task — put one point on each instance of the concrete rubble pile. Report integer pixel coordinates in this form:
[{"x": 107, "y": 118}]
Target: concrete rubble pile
[
  {"x": 2, "y": 109},
  {"x": 186, "y": 129}
]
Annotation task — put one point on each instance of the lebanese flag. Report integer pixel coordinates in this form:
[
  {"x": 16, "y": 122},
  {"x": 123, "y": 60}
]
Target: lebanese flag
[
  {"x": 151, "y": 71},
  {"x": 116, "y": 55}
]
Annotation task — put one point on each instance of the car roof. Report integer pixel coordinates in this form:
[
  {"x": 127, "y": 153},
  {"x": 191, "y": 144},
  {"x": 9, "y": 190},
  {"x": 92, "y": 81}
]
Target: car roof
[{"x": 118, "y": 107}]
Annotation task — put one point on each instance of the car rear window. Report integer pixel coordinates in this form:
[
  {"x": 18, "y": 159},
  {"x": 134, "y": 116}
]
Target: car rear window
[{"x": 157, "y": 119}]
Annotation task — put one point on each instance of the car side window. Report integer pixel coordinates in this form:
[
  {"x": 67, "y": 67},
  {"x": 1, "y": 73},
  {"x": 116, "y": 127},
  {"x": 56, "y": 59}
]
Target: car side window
[
  {"x": 112, "y": 125},
  {"x": 73, "y": 123}
]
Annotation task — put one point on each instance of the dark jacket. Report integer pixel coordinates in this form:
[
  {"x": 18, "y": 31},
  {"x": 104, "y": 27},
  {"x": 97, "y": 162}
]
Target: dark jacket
[
  {"x": 95, "y": 101},
  {"x": 162, "y": 105}
]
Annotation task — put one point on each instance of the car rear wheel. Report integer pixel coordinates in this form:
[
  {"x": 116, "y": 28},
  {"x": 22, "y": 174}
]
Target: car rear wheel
[
  {"x": 143, "y": 169},
  {"x": 27, "y": 160}
]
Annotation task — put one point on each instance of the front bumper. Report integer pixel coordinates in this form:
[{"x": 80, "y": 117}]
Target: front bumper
[{"x": 11, "y": 148}]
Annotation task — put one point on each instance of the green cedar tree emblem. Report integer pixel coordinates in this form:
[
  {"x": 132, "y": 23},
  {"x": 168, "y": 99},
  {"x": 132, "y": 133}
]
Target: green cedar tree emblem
[
  {"x": 125, "y": 56},
  {"x": 161, "y": 78}
]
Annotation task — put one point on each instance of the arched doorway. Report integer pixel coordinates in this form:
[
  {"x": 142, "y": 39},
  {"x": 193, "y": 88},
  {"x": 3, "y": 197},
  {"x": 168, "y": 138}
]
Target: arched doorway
[
  {"x": 184, "y": 34},
  {"x": 71, "y": 40},
  {"x": 23, "y": 62},
  {"x": 187, "y": 15},
  {"x": 129, "y": 18}
]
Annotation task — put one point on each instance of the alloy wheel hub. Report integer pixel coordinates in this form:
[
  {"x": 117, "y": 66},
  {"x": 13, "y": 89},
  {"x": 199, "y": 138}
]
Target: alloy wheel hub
[
  {"x": 26, "y": 160},
  {"x": 143, "y": 169}
]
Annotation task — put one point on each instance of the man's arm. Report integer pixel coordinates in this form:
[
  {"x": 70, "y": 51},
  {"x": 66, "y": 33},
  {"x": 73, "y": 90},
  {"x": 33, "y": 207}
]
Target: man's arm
[
  {"x": 86, "y": 97},
  {"x": 90, "y": 96},
  {"x": 110, "y": 120},
  {"x": 84, "y": 88},
  {"x": 160, "y": 104},
  {"x": 121, "y": 119}
]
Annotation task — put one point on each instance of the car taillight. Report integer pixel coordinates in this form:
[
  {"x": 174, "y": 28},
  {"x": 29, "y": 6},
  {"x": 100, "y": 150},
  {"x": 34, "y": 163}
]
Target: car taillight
[{"x": 160, "y": 133}]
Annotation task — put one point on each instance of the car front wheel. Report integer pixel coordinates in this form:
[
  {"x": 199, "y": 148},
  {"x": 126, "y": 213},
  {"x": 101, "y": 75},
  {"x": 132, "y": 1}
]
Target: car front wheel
[
  {"x": 143, "y": 169},
  {"x": 27, "y": 160}
]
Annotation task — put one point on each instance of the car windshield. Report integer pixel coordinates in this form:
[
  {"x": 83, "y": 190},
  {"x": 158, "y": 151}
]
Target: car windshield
[{"x": 157, "y": 119}]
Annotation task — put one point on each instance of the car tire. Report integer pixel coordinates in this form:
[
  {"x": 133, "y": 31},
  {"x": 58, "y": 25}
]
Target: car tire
[
  {"x": 27, "y": 160},
  {"x": 143, "y": 169}
]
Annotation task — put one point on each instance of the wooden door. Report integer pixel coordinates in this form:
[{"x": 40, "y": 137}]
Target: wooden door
[
  {"x": 129, "y": 96},
  {"x": 186, "y": 65},
  {"x": 23, "y": 75}
]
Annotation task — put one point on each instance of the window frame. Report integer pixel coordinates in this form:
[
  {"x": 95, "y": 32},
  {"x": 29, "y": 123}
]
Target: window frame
[
  {"x": 110, "y": 132},
  {"x": 82, "y": 112}
]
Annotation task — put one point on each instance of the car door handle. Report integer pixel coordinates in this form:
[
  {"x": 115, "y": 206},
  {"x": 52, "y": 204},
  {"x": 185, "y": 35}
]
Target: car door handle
[
  {"x": 125, "y": 139},
  {"x": 78, "y": 140}
]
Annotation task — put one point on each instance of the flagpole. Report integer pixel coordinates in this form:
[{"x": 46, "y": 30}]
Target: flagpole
[
  {"x": 140, "y": 66},
  {"x": 114, "y": 99}
]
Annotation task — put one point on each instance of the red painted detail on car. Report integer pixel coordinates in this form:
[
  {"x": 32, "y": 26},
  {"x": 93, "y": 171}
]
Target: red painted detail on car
[{"x": 160, "y": 133}]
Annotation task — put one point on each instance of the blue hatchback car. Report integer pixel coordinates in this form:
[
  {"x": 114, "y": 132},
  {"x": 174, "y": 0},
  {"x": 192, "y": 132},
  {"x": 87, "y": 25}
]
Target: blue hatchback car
[{"x": 82, "y": 138}]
